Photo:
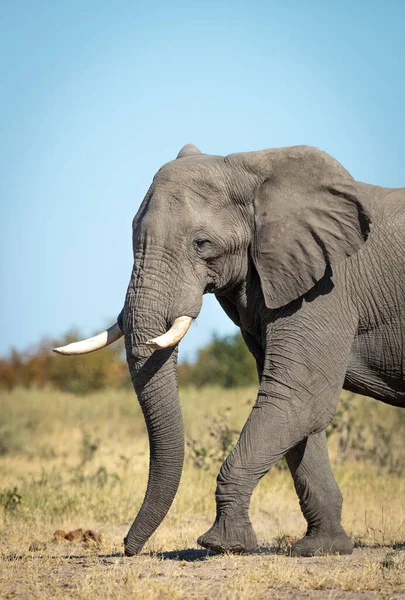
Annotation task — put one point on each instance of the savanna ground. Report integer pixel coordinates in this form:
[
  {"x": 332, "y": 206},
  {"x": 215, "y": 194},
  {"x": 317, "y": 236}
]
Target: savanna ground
[{"x": 69, "y": 462}]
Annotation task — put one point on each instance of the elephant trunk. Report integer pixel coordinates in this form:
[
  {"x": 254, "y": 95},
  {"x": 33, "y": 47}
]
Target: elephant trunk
[
  {"x": 154, "y": 375},
  {"x": 161, "y": 408}
]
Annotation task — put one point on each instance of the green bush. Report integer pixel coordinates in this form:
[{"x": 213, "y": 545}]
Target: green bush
[{"x": 225, "y": 362}]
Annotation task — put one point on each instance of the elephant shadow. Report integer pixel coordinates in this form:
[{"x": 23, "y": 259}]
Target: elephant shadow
[
  {"x": 186, "y": 555},
  {"x": 199, "y": 554}
]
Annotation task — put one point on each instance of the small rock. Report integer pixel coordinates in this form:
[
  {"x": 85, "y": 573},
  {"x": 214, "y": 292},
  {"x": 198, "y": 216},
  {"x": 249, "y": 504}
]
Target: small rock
[
  {"x": 75, "y": 536},
  {"x": 91, "y": 537},
  {"x": 88, "y": 537}
]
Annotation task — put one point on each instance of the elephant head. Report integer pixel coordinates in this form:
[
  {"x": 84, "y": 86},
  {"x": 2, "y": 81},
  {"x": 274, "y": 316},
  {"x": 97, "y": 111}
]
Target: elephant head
[{"x": 290, "y": 214}]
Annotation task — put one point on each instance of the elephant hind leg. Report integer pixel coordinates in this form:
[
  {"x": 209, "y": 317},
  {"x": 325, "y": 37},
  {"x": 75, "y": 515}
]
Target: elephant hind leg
[{"x": 320, "y": 499}]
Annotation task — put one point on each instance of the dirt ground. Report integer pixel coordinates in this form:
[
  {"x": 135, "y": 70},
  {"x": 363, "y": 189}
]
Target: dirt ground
[{"x": 69, "y": 570}]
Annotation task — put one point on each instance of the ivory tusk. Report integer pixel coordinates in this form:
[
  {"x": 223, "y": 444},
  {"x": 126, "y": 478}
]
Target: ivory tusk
[
  {"x": 172, "y": 337},
  {"x": 112, "y": 334}
]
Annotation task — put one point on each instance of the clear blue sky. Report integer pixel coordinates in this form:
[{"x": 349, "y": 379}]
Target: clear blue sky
[{"x": 95, "y": 96}]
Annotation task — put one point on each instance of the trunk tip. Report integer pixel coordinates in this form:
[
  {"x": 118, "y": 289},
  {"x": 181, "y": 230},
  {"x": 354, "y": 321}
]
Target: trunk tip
[{"x": 130, "y": 549}]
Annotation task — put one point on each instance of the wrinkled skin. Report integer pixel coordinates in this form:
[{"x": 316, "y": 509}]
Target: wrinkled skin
[{"x": 310, "y": 264}]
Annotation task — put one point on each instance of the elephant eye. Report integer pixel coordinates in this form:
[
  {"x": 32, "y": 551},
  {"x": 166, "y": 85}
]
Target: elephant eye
[{"x": 201, "y": 243}]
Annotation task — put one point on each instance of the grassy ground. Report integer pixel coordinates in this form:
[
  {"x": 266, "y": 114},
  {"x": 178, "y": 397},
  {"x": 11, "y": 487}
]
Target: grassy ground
[{"x": 69, "y": 462}]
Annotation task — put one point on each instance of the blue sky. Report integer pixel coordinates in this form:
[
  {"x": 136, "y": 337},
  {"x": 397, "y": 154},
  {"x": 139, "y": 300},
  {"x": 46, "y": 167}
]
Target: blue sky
[{"x": 96, "y": 96}]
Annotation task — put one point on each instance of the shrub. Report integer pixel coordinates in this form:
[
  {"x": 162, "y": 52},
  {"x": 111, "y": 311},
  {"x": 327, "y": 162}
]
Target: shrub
[{"x": 225, "y": 362}]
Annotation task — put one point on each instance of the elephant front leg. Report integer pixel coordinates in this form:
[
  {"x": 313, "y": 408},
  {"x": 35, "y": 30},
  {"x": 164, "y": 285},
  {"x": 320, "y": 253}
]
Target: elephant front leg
[
  {"x": 270, "y": 431},
  {"x": 298, "y": 396},
  {"x": 320, "y": 499}
]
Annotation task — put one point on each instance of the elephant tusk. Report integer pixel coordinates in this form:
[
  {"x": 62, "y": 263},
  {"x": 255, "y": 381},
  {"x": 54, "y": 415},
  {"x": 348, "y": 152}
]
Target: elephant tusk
[
  {"x": 172, "y": 337},
  {"x": 112, "y": 334}
]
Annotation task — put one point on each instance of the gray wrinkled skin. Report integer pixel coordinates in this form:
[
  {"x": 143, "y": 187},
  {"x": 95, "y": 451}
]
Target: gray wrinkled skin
[{"x": 310, "y": 264}]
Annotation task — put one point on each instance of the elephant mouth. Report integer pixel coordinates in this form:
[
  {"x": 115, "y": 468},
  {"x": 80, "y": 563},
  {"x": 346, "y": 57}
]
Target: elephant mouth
[
  {"x": 173, "y": 336},
  {"x": 167, "y": 340}
]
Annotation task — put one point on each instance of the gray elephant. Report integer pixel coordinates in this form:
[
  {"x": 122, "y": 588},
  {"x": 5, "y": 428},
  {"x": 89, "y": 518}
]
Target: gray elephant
[{"x": 310, "y": 264}]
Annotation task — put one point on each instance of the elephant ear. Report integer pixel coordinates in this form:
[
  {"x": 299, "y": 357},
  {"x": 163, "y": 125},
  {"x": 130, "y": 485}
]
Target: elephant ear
[{"x": 308, "y": 217}]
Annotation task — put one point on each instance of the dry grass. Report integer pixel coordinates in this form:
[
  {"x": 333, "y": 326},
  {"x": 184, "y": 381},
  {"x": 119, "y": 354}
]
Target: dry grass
[{"x": 68, "y": 462}]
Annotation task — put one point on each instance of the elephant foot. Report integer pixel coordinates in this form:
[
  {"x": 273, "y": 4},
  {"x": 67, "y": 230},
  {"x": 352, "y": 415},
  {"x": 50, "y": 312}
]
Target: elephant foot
[
  {"x": 227, "y": 535},
  {"x": 316, "y": 544}
]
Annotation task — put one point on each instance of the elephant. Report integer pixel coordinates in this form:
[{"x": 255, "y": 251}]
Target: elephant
[{"x": 310, "y": 265}]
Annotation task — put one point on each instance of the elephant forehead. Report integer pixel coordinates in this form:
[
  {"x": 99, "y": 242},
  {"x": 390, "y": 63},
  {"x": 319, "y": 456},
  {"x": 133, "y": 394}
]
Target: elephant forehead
[
  {"x": 169, "y": 220},
  {"x": 181, "y": 198},
  {"x": 165, "y": 202},
  {"x": 166, "y": 217},
  {"x": 187, "y": 208},
  {"x": 192, "y": 176}
]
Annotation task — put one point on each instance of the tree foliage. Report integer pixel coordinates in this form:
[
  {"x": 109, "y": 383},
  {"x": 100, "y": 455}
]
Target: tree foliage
[
  {"x": 41, "y": 367},
  {"x": 225, "y": 362}
]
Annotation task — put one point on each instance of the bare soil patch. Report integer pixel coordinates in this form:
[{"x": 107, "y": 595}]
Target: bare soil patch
[{"x": 71, "y": 572}]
